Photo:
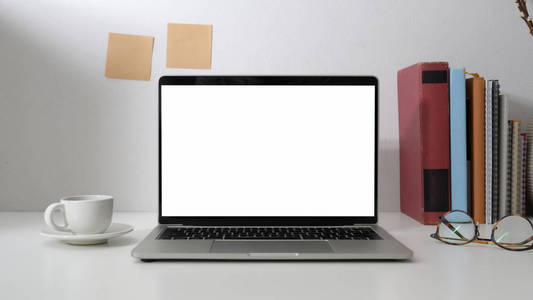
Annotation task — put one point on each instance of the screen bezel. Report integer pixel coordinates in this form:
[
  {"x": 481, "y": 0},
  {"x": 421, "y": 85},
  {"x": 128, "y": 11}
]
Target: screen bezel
[{"x": 270, "y": 220}]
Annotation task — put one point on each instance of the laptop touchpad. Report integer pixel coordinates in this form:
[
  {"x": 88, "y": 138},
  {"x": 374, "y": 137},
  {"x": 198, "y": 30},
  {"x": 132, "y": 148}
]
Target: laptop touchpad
[{"x": 236, "y": 246}]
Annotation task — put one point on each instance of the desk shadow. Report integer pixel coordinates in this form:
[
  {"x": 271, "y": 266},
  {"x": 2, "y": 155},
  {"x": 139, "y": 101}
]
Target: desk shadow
[
  {"x": 121, "y": 241},
  {"x": 111, "y": 243},
  {"x": 221, "y": 261}
]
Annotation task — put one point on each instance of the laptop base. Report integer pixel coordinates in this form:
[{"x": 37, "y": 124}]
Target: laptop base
[{"x": 388, "y": 248}]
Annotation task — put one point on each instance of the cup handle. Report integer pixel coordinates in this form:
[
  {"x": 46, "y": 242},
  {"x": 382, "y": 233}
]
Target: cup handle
[{"x": 48, "y": 216}]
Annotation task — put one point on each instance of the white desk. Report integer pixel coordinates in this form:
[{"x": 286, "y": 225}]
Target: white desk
[{"x": 34, "y": 267}]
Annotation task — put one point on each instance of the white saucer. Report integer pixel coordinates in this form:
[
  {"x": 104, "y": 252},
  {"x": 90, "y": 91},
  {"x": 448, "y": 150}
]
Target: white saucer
[{"x": 115, "y": 230}]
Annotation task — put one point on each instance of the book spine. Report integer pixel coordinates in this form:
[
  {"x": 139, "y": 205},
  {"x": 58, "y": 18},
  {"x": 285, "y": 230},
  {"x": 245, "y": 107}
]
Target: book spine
[
  {"x": 503, "y": 140},
  {"x": 495, "y": 150},
  {"x": 475, "y": 94},
  {"x": 523, "y": 174},
  {"x": 529, "y": 168},
  {"x": 458, "y": 129},
  {"x": 488, "y": 152},
  {"x": 509, "y": 167},
  {"x": 435, "y": 128},
  {"x": 515, "y": 168}
]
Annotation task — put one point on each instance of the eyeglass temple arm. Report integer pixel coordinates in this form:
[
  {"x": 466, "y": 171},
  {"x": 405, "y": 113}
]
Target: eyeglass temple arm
[
  {"x": 526, "y": 241},
  {"x": 452, "y": 228}
]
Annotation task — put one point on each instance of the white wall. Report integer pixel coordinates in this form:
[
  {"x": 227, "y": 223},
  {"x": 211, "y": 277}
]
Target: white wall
[{"x": 66, "y": 129}]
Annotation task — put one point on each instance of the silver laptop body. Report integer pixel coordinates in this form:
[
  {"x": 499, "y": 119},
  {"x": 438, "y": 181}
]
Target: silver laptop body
[{"x": 268, "y": 168}]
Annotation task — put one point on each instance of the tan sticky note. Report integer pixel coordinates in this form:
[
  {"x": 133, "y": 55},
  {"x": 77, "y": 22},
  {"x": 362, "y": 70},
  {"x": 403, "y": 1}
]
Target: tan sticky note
[
  {"x": 129, "y": 56},
  {"x": 189, "y": 46}
]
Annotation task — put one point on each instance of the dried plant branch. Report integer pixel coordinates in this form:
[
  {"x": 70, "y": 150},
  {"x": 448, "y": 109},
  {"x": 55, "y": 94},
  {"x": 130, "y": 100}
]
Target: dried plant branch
[{"x": 524, "y": 14}]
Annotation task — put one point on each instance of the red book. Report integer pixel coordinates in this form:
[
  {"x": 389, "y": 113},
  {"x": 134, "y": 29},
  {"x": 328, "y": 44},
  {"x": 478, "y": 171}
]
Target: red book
[{"x": 424, "y": 129}]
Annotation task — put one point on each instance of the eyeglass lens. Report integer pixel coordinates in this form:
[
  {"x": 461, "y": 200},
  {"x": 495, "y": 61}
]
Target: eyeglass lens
[
  {"x": 457, "y": 228},
  {"x": 514, "y": 232}
]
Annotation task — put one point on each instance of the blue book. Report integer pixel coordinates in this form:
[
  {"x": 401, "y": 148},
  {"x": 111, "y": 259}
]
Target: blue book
[{"x": 458, "y": 129}]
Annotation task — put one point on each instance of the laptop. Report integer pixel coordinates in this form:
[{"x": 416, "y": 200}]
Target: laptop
[{"x": 268, "y": 168}]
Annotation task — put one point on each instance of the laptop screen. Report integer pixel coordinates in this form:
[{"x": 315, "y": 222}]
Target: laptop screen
[{"x": 267, "y": 150}]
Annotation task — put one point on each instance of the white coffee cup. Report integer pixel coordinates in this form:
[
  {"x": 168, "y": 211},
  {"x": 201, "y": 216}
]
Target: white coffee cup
[{"x": 83, "y": 214}]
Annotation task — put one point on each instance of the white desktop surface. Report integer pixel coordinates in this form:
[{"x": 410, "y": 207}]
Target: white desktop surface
[{"x": 35, "y": 267}]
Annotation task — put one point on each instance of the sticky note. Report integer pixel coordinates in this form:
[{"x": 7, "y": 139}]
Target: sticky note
[
  {"x": 129, "y": 56},
  {"x": 189, "y": 46}
]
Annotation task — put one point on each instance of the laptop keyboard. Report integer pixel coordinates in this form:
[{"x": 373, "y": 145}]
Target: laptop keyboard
[{"x": 269, "y": 233}]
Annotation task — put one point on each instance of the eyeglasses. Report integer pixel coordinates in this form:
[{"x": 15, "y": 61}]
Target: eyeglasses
[{"x": 512, "y": 232}]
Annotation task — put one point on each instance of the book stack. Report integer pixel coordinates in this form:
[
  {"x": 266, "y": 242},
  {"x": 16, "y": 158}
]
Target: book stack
[{"x": 458, "y": 148}]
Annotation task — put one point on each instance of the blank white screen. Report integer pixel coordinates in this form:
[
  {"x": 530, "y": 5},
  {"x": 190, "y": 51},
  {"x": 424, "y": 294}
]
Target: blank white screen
[{"x": 267, "y": 150}]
